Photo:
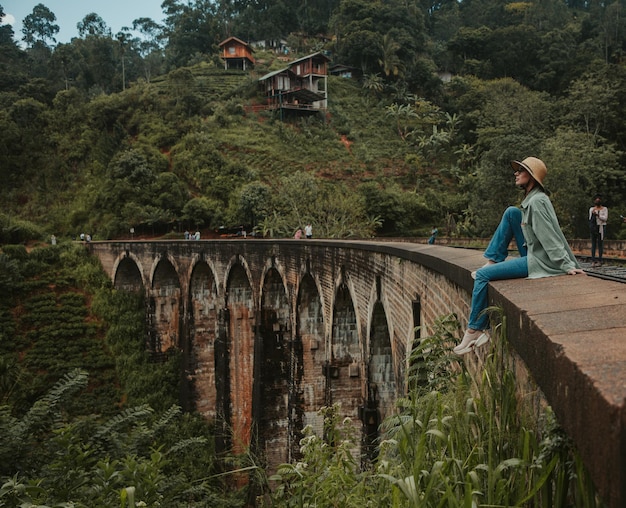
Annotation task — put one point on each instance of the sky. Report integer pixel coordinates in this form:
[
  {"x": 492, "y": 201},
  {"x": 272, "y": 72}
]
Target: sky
[{"x": 115, "y": 13}]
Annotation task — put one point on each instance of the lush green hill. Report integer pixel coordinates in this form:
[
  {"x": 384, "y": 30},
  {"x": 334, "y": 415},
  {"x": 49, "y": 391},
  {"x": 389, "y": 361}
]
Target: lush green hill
[
  {"x": 194, "y": 139},
  {"x": 192, "y": 149},
  {"x": 145, "y": 128}
]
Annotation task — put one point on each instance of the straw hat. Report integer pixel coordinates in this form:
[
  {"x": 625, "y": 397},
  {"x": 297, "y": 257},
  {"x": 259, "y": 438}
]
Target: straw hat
[{"x": 534, "y": 166}]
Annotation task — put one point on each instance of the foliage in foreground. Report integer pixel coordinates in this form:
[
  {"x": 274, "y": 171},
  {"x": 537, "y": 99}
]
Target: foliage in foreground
[
  {"x": 457, "y": 441},
  {"x": 110, "y": 437},
  {"x": 156, "y": 459}
]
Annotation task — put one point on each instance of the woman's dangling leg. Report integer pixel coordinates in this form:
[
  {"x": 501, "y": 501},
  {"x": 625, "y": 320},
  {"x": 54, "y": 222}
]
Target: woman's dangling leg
[
  {"x": 516, "y": 268},
  {"x": 479, "y": 320}
]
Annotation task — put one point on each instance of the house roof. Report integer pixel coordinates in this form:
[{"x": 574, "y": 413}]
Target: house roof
[
  {"x": 288, "y": 69},
  {"x": 226, "y": 41},
  {"x": 274, "y": 73},
  {"x": 342, "y": 67},
  {"x": 319, "y": 53}
]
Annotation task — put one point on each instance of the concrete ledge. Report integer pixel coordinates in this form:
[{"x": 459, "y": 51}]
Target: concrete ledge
[{"x": 571, "y": 333}]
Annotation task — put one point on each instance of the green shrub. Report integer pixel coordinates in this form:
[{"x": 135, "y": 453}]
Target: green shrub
[
  {"x": 15, "y": 230},
  {"x": 17, "y": 252},
  {"x": 459, "y": 440}
]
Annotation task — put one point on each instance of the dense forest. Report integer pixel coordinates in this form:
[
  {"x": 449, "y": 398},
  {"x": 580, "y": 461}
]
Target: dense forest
[{"x": 145, "y": 129}]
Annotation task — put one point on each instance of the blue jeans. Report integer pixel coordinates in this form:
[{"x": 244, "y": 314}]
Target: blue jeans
[{"x": 498, "y": 250}]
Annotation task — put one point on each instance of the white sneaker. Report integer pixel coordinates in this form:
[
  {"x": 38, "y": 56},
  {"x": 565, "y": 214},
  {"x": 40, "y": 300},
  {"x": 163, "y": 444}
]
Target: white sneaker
[{"x": 471, "y": 340}]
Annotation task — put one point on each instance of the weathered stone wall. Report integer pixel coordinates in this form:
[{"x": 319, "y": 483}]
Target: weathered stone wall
[
  {"x": 304, "y": 324},
  {"x": 287, "y": 326}
]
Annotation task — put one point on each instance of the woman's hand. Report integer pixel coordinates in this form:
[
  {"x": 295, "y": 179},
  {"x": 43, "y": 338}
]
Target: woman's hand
[{"x": 574, "y": 271}]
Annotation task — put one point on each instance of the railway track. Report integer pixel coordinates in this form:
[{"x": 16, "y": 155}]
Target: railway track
[{"x": 612, "y": 269}]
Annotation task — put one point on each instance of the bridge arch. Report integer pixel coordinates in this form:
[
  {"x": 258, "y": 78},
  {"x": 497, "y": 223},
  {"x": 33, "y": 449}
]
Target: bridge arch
[
  {"x": 164, "y": 268},
  {"x": 273, "y": 275},
  {"x": 346, "y": 361},
  {"x": 201, "y": 258},
  {"x": 236, "y": 263},
  {"x": 318, "y": 282},
  {"x": 128, "y": 273}
]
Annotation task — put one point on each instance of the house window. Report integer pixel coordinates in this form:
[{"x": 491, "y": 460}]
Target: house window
[
  {"x": 283, "y": 82},
  {"x": 231, "y": 50}
]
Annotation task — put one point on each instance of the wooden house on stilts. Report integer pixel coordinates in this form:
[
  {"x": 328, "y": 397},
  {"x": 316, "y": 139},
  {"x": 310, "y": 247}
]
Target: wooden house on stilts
[
  {"x": 236, "y": 54},
  {"x": 301, "y": 86}
]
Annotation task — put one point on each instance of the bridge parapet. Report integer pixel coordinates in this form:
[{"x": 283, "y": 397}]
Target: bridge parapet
[{"x": 321, "y": 321}]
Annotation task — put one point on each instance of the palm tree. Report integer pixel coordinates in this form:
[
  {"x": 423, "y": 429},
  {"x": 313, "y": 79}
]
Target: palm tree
[
  {"x": 390, "y": 62},
  {"x": 373, "y": 83}
]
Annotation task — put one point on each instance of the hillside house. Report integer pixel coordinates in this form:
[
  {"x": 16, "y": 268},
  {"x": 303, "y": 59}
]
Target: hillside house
[
  {"x": 344, "y": 71},
  {"x": 301, "y": 86},
  {"x": 278, "y": 46},
  {"x": 236, "y": 54}
]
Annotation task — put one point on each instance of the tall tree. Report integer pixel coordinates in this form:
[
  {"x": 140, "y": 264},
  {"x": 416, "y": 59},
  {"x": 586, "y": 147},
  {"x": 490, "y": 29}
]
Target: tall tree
[
  {"x": 39, "y": 26},
  {"x": 13, "y": 63},
  {"x": 579, "y": 168},
  {"x": 149, "y": 46},
  {"x": 93, "y": 24},
  {"x": 594, "y": 102},
  {"x": 512, "y": 123},
  {"x": 96, "y": 56},
  {"x": 191, "y": 29},
  {"x": 361, "y": 27}
]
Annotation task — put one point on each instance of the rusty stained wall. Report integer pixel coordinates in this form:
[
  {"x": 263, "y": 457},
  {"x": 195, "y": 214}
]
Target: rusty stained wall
[
  {"x": 240, "y": 347},
  {"x": 345, "y": 364},
  {"x": 273, "y": 331},
  {"x": 274, "y": 371},
  {"x": 309, "y": 373},
  {"x": 381, "y": 381},
  {"x": 165, "y": 308}
]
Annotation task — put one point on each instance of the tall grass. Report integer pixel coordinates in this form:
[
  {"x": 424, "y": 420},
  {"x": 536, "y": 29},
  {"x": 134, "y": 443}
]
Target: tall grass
[{"x": 461, "y": 438}]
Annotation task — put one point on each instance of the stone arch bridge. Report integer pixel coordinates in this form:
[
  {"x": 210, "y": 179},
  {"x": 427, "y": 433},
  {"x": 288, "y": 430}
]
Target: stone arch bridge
[{"x": 272, "y": 330}]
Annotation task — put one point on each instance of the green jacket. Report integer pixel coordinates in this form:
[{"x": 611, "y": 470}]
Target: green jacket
[{"x": 548, "y": 251}]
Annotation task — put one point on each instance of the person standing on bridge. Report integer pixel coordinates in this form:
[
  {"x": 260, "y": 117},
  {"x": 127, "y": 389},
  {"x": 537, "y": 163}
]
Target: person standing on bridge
[
  {"x": 598, "y": 215},
  {"x": 433, "y": 235},
  {"x": 543, "y": 249}
]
